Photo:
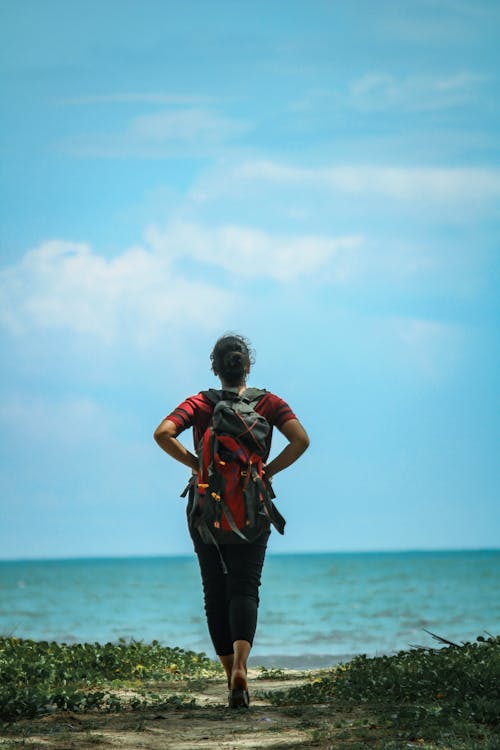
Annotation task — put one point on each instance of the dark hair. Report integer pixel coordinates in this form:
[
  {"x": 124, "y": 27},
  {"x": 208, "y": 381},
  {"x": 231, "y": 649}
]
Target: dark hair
[{"x": 231, "y": 357}]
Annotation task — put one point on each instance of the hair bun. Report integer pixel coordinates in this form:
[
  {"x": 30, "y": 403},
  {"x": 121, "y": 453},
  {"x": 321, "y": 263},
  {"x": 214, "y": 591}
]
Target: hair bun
[{"x": 234, "y": 361}]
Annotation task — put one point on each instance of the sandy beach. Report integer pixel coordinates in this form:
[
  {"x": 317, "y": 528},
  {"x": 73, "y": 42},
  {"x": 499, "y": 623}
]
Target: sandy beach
[
  {"x": 208, "y": 724},
  {"x": 414, "y": 699}
]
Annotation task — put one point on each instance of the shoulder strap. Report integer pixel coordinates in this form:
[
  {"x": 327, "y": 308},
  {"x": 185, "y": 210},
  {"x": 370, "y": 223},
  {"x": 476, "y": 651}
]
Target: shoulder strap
[
  {"x": 212, "y": 395},
  {"x": 252, "y": 395}
]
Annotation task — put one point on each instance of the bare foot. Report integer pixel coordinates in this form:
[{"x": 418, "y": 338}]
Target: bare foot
[
  {"x": 239, "y": 679},
  {"x": 238, "y": 695}
]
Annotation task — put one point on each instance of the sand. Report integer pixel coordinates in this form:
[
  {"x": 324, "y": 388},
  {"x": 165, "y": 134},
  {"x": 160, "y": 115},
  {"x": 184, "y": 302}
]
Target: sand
[{"x": 209, "y": 724}]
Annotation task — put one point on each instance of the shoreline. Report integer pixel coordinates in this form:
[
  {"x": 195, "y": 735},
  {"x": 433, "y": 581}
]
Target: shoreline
[{"x": 300, "y": 662}]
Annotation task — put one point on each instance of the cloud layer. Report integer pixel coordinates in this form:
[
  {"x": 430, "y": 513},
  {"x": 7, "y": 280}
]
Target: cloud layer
[
  {"x": 451, "y": 187},
  {"x": 67, "y": 285},
  {"x": 189, "y": 131}
]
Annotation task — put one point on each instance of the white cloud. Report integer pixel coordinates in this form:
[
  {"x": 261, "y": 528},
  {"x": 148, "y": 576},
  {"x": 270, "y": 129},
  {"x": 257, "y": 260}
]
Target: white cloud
[
  {"x": 471, "y": 188},
  {"x": 140, "y": 97},
  {"x": 185, "y": 125},
  {"x": 382, "y": 91},
  {"x": 192, "y": 131},
  {"x": 253, "y": 253},
  {"x": 379, "y": 92},
  {"x": 419, "y": 23},
  {"x": 138, "y": 294}
]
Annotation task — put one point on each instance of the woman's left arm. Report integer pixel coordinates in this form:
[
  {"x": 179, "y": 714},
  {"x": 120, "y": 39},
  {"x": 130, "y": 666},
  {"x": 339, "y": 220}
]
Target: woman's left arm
[{"x": 165, "y": 436}]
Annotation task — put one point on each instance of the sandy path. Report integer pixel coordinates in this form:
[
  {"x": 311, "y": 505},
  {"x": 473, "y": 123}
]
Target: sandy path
[{"x": 209, "y": 725}]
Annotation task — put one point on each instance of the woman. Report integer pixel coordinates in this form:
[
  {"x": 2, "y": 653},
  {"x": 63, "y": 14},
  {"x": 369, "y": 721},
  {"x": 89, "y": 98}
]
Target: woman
[{"x": 232, "y": 599}]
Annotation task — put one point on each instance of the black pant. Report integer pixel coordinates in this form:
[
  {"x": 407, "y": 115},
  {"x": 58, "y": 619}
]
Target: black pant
[{"x": 232, "y": 598}]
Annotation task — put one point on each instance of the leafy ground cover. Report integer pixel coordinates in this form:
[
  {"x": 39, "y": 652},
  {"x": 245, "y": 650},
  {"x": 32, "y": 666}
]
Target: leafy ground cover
[
  {"x": 128, "y": 695},
  {"x": 36, "y": 677},
  {"x": 448, "y": 695}
]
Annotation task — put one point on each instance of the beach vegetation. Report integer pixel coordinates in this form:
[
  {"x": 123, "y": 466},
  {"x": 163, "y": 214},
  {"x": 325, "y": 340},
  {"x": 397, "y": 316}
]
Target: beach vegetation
[
  {"x": 448, "y": 695},
  {"x": 444, "y": 698},
  {"x": 274, "y": 673},
  {"x": 38, "y": 677}
]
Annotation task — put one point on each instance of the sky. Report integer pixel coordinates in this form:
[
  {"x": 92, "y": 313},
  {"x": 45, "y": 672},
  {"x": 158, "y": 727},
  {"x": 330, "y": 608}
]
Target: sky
[{"x": 322, "y": 176}]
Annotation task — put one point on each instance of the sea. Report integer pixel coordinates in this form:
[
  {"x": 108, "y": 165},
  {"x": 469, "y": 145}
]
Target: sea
[{"x": 316, "y": 610}]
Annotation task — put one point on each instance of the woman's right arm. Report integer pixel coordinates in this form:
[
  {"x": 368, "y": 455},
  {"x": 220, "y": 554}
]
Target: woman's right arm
[
  {"x": 298, "y": 442},
  {"x": 165, "y": 436}
]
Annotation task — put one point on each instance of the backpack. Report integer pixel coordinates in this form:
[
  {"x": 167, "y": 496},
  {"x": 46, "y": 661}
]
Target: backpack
[{"x": 230, "y": 499}]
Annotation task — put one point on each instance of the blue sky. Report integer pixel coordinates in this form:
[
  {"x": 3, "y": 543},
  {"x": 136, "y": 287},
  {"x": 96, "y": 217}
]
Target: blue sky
[{"x": 323, "y": 177}]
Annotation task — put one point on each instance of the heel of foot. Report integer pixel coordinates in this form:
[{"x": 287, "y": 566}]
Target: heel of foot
[{"x": 239, "y": 682}]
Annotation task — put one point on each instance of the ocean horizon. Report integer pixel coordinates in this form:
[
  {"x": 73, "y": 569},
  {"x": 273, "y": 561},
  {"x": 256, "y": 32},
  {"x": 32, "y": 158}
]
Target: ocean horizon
[
  {"x": 316, "y": 608},
  {"x": 154, "y": 556}
]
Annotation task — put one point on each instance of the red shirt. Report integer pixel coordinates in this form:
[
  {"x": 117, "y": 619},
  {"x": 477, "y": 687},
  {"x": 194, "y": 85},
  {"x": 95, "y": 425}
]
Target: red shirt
[{"x": 196, "y": 412}]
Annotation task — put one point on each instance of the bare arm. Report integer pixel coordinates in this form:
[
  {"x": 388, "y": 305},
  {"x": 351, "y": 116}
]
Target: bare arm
[
  {"x": 165, "y": 437},
  {"x": 298, "y": 442}
]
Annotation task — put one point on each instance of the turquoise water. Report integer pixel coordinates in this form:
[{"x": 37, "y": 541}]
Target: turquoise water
[{"x": 315, "y": 609}]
